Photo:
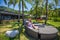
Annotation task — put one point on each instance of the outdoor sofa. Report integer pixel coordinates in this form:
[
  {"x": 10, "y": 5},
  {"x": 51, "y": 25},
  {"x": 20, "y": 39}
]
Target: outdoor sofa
[{"x": 44, "y": 33}]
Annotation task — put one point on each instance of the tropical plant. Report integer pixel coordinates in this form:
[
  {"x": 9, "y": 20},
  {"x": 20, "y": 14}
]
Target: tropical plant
[
  {"x": 36, "y": 5},
  {"x": 14, "y": 2},
  {"x": 7, "y": 3},
  {"x": 56, "y": 8},
  {"x": 23, "y": 2}
]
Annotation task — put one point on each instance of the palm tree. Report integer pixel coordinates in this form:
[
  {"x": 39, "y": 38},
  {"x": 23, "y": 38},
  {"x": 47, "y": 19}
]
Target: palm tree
[
  {"x": 56, "y": 3},
  {"x": 5, "y": 1},
  {"x": 50, "y": 7},
  {"x": 37, "y": 3},
  {"x": 14, "y": 2},
  {"x": 36, "y": 8},
  {"x": 46, "y": 11},
  {"x": 9, "y": 2},
  {"x": 23, "y": 11},
  {"x": 24, "y": 6}
]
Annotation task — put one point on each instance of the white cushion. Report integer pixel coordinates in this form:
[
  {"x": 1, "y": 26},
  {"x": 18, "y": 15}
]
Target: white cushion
[{"x": 12, "y": 33}]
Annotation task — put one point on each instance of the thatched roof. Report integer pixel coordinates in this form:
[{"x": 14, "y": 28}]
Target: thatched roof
[{"x": 8, "y": 13}]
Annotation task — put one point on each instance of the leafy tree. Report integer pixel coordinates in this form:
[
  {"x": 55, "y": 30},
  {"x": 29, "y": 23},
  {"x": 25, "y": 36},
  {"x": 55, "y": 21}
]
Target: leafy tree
[
  {"x": 56, "y": 9},
  {"x": 9, "y": 2},
  {"x": 37, "y": 3},
  {"x": 23, "y": 2}
]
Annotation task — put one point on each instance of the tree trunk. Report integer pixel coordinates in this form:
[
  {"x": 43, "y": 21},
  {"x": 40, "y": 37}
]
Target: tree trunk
[
  {"x": 19, "y": 15},
  {"x": 23, "y": 12},
  {"x": 19, "y": 20},
  {"x": 46, "y": 11},
  {"x": 36, "y": 12},
  {"x": 7, "y": 7},
  {"x": 56, "y": 14},
  {"x": 13, "y": 8},
  {"x": 36, "y": 9}
]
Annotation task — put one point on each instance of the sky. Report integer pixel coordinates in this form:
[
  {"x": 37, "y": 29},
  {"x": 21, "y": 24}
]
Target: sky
[{"x": 17, "y": 8}]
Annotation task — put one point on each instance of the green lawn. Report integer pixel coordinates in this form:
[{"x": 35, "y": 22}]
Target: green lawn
[
  {"x": 23, "y": 35},
  {"x": 56, "y": 24}
]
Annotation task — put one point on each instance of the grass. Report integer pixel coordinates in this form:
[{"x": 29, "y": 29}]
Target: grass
[
  {"x": 3, "y": 37},
  {"x": 56, "y": 24},
  {"x": 23, "y": 35}
]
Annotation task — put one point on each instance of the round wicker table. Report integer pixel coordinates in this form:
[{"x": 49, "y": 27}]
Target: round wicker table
[{"x": 48, "y": 32}]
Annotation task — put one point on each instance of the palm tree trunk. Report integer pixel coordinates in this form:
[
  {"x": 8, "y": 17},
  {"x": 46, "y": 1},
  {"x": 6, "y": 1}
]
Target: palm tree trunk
[
  {"x": 56, "y": 14},
  {"x": 36, "y": 12},
  {"x": 23, "y": 12},
  {"x": 8, "y": 7},
  {"x": 13, "y": 7},
  {"x": 46, "y": 11},
  {"x": 36, "y": 9},
  {"x": 19, "y": 14},
  {"x": 19, "y": 20}
]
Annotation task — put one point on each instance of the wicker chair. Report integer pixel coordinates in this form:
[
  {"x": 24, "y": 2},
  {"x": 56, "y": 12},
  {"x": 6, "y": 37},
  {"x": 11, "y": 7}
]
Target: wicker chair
[
  {"x": 48, "y": 36},
  {"x": 32, "y": 32},
  {"x": 44, "y": 36},
  {"x": 44, "y": 32}
]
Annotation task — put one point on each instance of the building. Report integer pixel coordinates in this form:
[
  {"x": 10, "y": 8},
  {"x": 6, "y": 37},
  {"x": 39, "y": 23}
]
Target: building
[{"x": 7, "y": 15}]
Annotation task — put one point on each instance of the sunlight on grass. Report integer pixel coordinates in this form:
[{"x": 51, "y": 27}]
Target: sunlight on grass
[
  {"x": 23, "y": 37},
  {"x": 4, "y": 29},
  {"x": 56, "y": 24},
  {"x": 3, "y": 37}
]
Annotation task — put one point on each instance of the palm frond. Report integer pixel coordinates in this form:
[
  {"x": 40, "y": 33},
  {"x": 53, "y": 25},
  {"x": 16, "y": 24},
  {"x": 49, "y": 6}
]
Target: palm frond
[
  {"x": 5, "y": 1},
  {"x": 25, "y": 5},
  {"x": 56, "y": 2},
  {"x": 29, "y": 1},
  {"x": 14, "y": 3},
  {"x": 10, "y": 2}
]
